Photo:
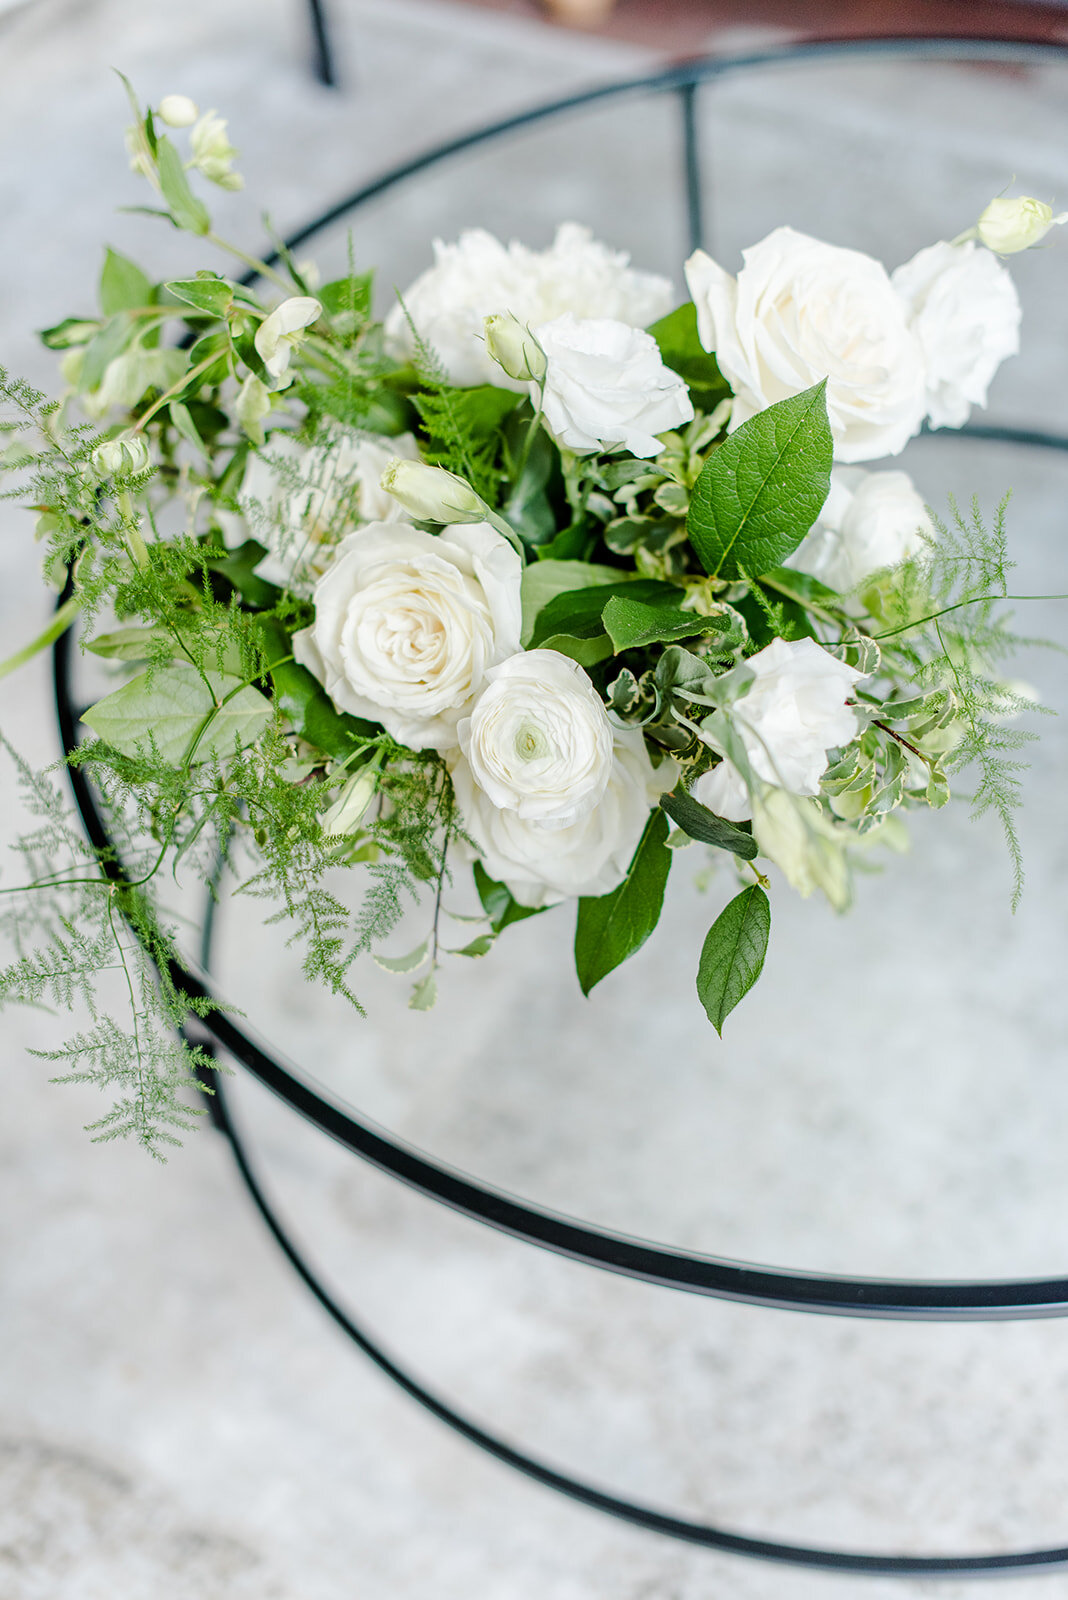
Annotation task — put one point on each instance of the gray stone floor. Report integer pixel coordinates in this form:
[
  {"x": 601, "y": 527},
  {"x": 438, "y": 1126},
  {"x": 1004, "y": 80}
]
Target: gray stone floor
[{"x": 177, "y": 1420}]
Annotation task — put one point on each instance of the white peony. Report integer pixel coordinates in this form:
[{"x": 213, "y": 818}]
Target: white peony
[
  {"x": 478, "y": 277},
  {"x": 408, "y": 624},
  {"x": 542, "y": 863},
  {"x": 869, "y": 521},
  {"x": 538, "y": 740},
  {"x": 606, "y": 387},
  {"x": 800, "y": 311},
  {"x": 301, "y": 500},
  {"x": 964, "y": 310},
  {"x": 793, "y": 712}
]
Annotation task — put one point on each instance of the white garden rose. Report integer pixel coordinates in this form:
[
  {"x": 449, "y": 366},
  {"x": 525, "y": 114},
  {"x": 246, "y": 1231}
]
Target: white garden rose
[
  {"x": 301, "y": 500},
  {"x": 541, "y": 863},
  {"x": 408, "y": 624},
  {"x": 869, "y": 521},
  {"x": 538, "y": 739},
  {"x": 479, "y": 277},
  {"x": 606, "y": 386},
  {"x": 964, "y": 310},
  {"x": 793, "y": 712},
  {"x": 800, "y": 311}
]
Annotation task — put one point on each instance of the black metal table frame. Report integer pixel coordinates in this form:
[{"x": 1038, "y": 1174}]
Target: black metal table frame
[{"x": 952, "y": 1301}]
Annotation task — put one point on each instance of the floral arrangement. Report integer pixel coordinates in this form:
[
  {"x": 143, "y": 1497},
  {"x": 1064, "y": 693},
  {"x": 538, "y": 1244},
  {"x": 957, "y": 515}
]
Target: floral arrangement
[{"x": 534, "y": 584}]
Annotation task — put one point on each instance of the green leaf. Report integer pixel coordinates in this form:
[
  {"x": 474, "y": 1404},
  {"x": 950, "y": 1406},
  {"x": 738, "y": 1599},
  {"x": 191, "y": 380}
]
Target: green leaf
[
  {"x": 613, "y": 926},
  {"x": 239, "y": 568},
  {"x": 60, "y": 621},
  {"x": 732, "y": 958},
  {"x": 402, "y": 964},
  {"x": 424, "y": 994},
  {"x": 123, "y": 286},
  {"x": 801, "y": 587},
  {"x": 543, "y": 580},
  {"x": 759, "y": 494},
  {"x": 478, "y": 947},
  {"x": 174, "y": 709},
  {"x": 68, "y": 334},
  {"x": 347, "y": 297},
  {"x": 632, "y": 624},
  {"x": 578, "y": 612},
  {"x": 701, "y": 824},
  {"x": 207, "y": 292},
  {"x": 306, "y": 703},
  {"x": 103, "y": 348},
  {"x": 499, "y": 904},
  {"x": 681, "y": 350},
  {"x": 179, "y": 415},
  {"x": 130, "y": 644},
  {"x": 187, "y": 211}
]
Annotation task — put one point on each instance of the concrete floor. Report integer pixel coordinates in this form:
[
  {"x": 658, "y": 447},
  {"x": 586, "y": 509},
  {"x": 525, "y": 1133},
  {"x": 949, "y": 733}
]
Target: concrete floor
[{"x": 177, "y": 1419}]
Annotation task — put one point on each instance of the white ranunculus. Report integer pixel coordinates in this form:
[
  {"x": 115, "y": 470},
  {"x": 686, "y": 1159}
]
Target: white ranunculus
[
  {"x": 800, "y": 311},
  {"x": 869, "y": 521},
  {"x": 542, "y": 863},
  {"x": 538, "y": 739},
  {"x": 408, "y": 624},
  {"x": 606, "y": 386},
  {"x": 793, "y": 712},
  {"x": 965, "y": 312},
  {"x": 1009, "y": 225},
  {"x": 301, "y": 500},
  {"x": 278, "y": 334},
  {"x": 478, "y": 277}
]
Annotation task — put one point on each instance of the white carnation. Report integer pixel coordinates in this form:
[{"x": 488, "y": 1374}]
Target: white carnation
[
  {"x": 408, "y": 624},
  {"x": 541, "y": 863},
  {"x": 964, "y": 310},
  {"x": 606, "y": 386},
  {"x": 538, "y": 740},
  {"x": 800, "y": 311},
  {"x": 478, "y": 277},
  {"x": 870, "y": 520},
  {"x": 301, "y": 500},
  {"x": 792, "y": 714}
]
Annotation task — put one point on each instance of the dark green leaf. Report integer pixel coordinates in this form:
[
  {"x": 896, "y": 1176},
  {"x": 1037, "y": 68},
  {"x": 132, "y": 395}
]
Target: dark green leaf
[
  {"x": 123, "y": 286},
  {"x": 613, "y": 926},
  {"x": 238, "y": 567},
  {"x": 761, "y": 491},
  {"x": 632, "y": 624},
  {"x": 700, "y": 823},
  {"x": 306, "y": 703},
  {"x": 187, "y": 211},
  {"x": 799, "y": 586},
  {"x": 578, "y": 612},
  {"x": 680, "y": 349},
  {"x": 499, "y": 904},
  {"x": 733, "y": 954}
]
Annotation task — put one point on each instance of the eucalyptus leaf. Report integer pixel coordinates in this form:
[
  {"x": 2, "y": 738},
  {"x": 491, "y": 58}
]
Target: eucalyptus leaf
[
  {"x": 613, "y": 926},
  {"x": 702, "y": 824},
  {"x": 760, "y": 492},
  {"x": 732, "y": 957},
  {"x": 174, "y": 710}
]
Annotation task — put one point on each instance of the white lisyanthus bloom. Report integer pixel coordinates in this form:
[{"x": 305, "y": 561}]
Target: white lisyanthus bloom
[
  {"x": 1009, "y": 225},
  {"x": 408, "y": 624},
  {"x": 479, "y": 277},
  {"x": 800, "y": 311},
  {"x": 541, "y": 863},
  {"x": 792, "y": 714},
  {"x": 606, "y": 386},
  {"x": 213, "y": 154},
  {"x": 869, "y": 521},
  {"x": 538, "y": 739},
  {"x": 301, "y": 500},
  {"x": 963, "y": 307},
  {"x": 279, "y": 333},
  {"x": 178, "y": 111}
]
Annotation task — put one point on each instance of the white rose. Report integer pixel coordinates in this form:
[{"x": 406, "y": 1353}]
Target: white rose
[
  {"x": 965, "y": 312},
  {"x": 541, "y": 863},
  {"x": 478, "y": 277},
  {"x": 800, "y": 311},
  {"x": 301, "y": 500},
  {"x": 870, "y": 520},
  {"x": 408, "y": 624},
  {"x": 606, "y": 387},
  {"x": 538, "y": 739},
  {"x": 793, "y": 712}
]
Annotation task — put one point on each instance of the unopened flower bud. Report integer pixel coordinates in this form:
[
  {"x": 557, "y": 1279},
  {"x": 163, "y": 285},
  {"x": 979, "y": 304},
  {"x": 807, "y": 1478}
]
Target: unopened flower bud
[
  {"x": 213, "y": 154},
  {"x": 121, "y": 457},
  {"x": 347, "y": 812},
  {"x": 178, "y": 111},
  {"x": 278, "y": 334},
  {"x": 431, "y": 494},
  {"x": 1007, "y": 226},
  {"x": 514, "y": 347}
]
